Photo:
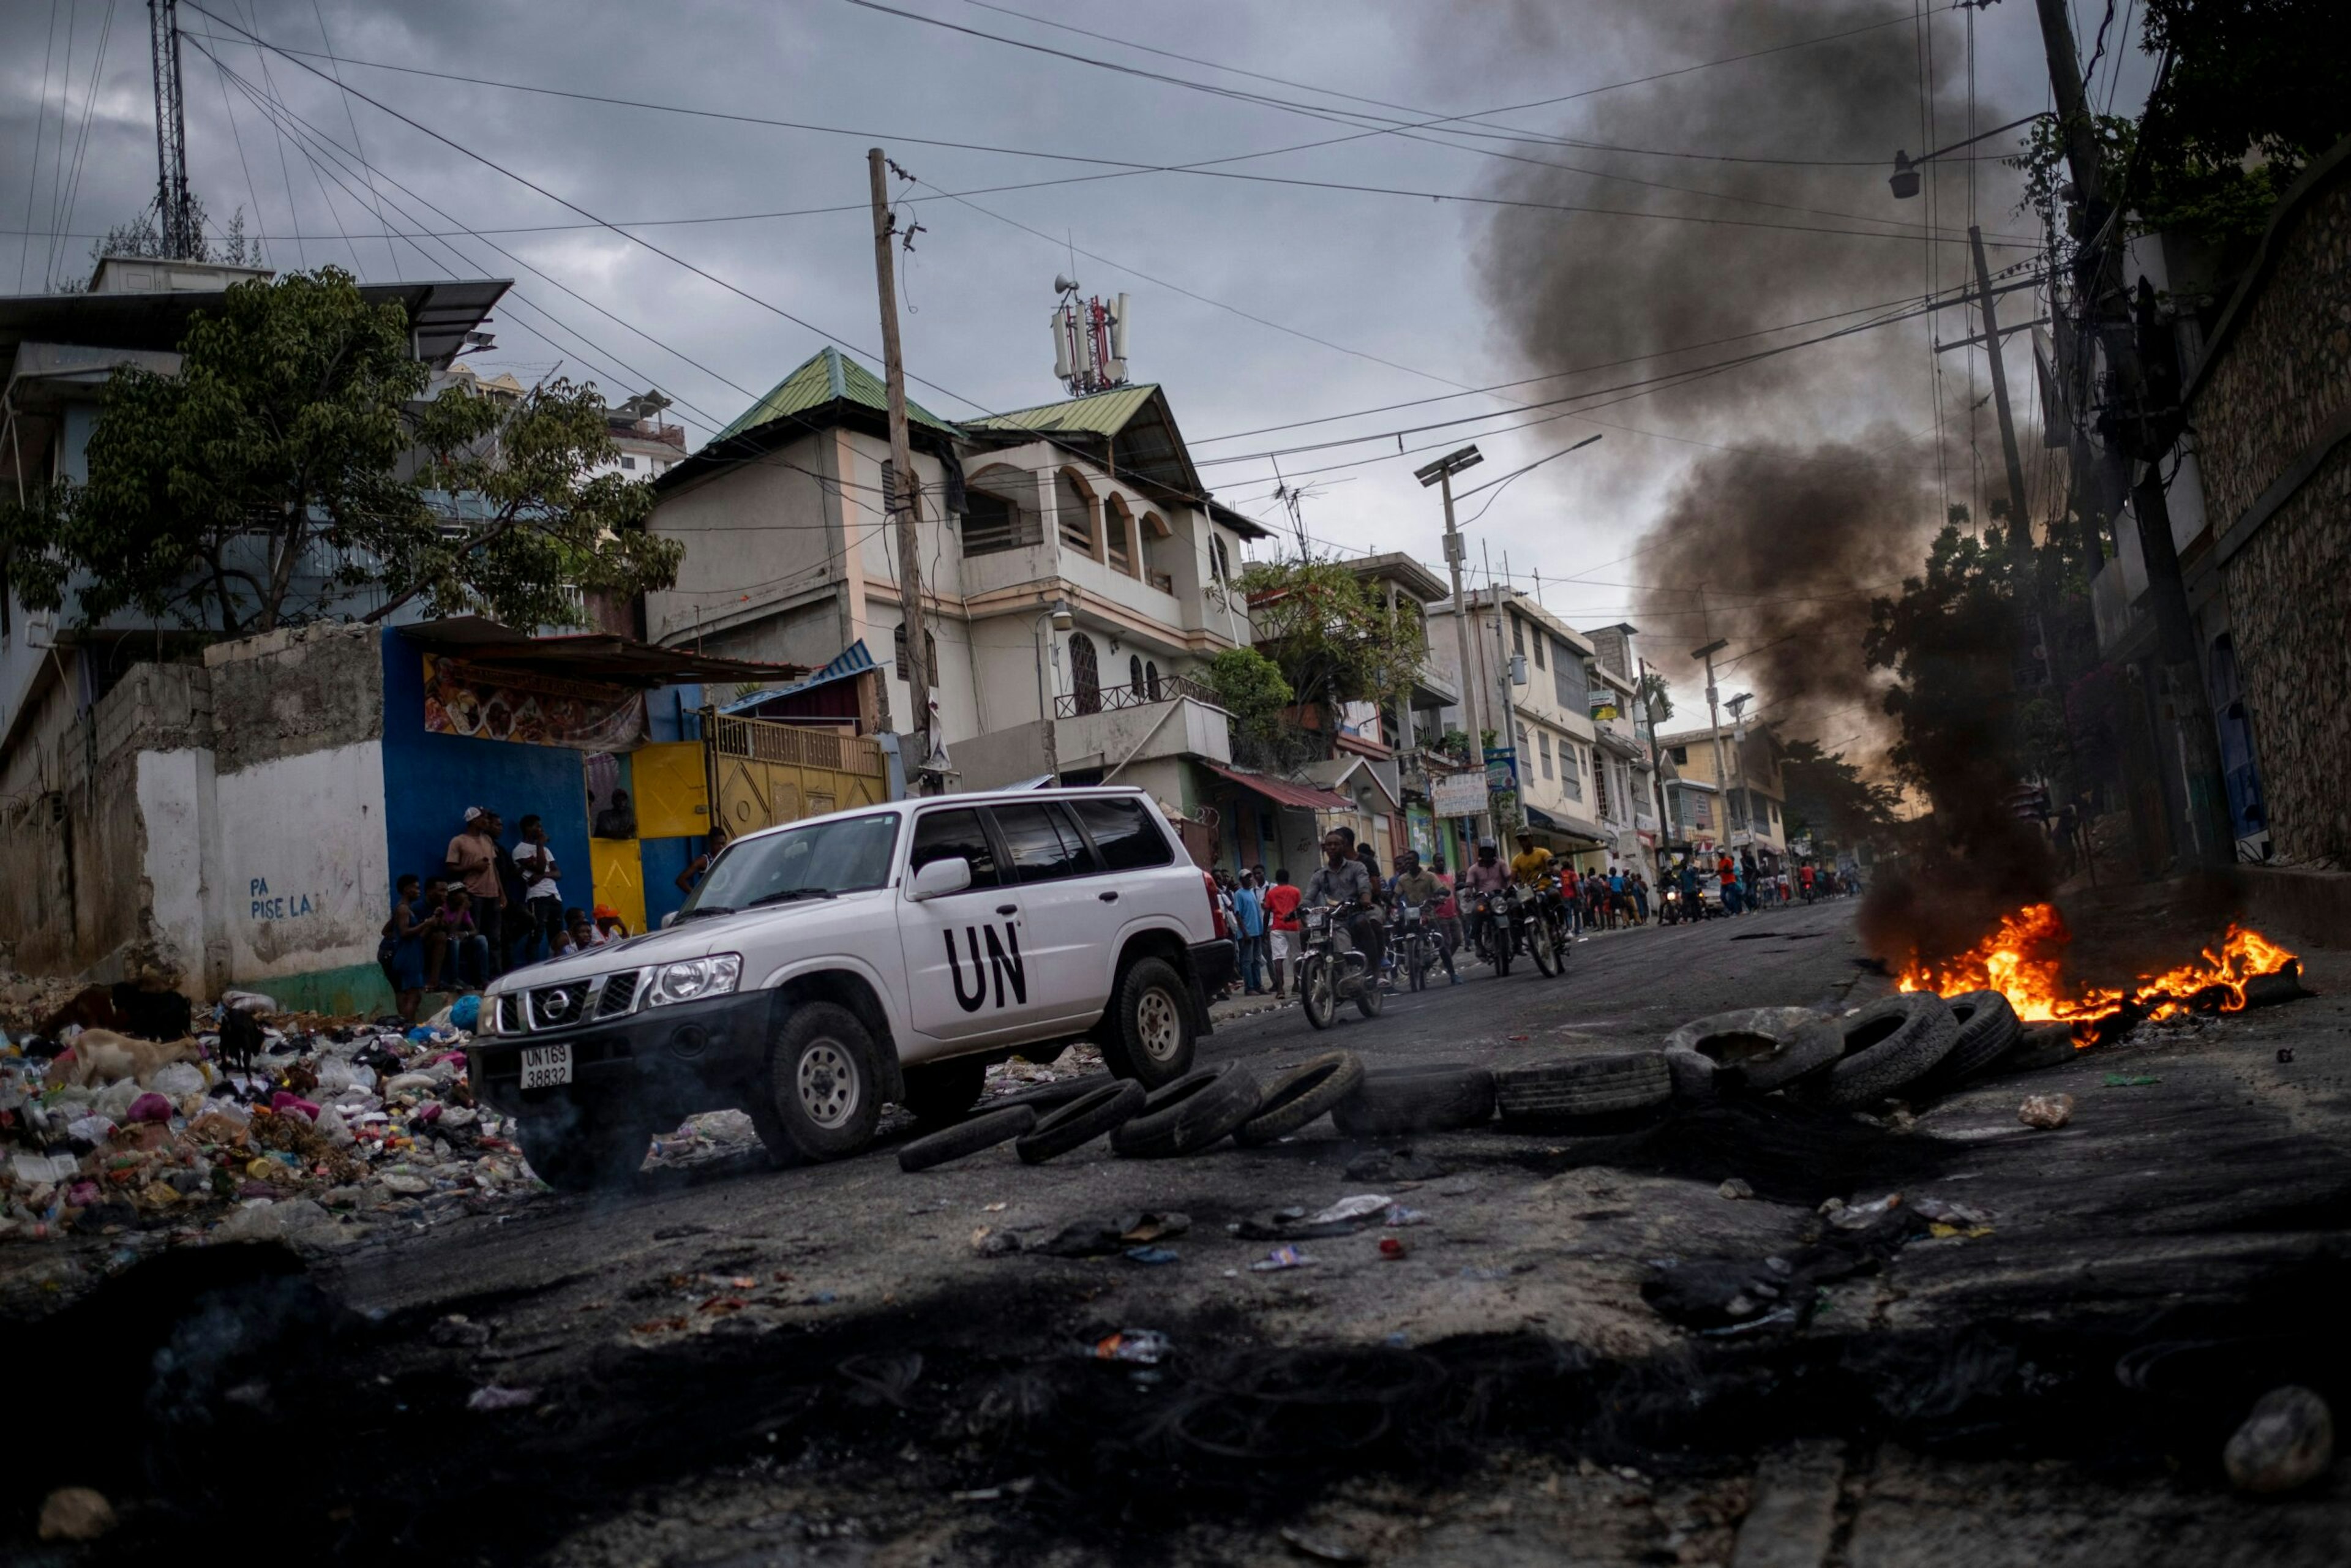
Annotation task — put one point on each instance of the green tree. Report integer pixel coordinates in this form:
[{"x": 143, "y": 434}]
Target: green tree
[
  {"x": 1828, "y": 797},
  {"x": 1334, "y": 637},
  {"x": 1656, "y": 697},
  {"x": 1251, "y": 688},
  {"x": 1952, "y": 639},
  {"x": 279, "y": 470}
]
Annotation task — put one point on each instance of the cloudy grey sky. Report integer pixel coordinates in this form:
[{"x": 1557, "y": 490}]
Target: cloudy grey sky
[{"x": 1263, "y": 294}]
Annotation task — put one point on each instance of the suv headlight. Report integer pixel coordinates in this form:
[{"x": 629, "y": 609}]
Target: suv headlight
[{"x": 695, "y": 978}]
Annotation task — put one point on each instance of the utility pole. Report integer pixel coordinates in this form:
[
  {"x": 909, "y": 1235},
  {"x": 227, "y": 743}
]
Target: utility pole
[
  {"x": 175, "y": 215},
  {"x": 1656, "y": 760},
  {"x": 2099, "y": 284},
  {"x": 1714, "y": 714},
  {"x": 2020, "y": 536},
  {"x": 1440, "y": 472},
  {"x": 900, "y": 502}
]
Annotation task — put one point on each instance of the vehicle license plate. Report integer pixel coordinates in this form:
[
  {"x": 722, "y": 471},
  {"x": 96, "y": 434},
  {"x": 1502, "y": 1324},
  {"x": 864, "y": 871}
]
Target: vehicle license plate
[{"x": 543, "y": 1065}]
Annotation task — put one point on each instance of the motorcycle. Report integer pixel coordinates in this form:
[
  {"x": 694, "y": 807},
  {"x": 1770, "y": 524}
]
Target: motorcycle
[
  {"x": 1529, "y": 928},
  {"x": 1330, "y": 970},
  {"x": 1413, "y": 942},
  {"x": 1491, "y": 911}
]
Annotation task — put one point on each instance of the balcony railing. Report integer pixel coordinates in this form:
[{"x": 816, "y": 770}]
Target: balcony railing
[{"x": 1110, "y": 699}]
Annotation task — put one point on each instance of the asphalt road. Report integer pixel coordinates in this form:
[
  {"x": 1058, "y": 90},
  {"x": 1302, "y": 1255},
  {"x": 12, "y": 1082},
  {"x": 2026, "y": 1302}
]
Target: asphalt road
[{"x": 836, "y": 1364}]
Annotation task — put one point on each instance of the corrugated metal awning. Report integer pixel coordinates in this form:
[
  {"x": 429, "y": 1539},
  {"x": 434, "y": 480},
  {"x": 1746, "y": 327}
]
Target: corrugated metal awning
[
  {"x": 584, "y": 656},
  {"x": 1282, "y": 791}
]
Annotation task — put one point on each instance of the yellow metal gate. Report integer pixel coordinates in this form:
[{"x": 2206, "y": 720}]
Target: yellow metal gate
[{"x": 763, "y": 772}]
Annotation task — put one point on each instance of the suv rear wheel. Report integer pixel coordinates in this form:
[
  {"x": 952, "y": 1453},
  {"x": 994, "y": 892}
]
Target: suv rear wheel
[
  {"x": 1150, "y": 1034},
  {"x": 821, "y": 1095}
]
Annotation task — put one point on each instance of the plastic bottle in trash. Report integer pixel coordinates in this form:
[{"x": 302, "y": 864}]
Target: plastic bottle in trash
[{"x": 1145, "y": 1348}]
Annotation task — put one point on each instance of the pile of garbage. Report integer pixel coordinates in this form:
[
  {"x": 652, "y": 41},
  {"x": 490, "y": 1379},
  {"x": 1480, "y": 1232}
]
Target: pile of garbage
[{"x": 298, "y": 1119}]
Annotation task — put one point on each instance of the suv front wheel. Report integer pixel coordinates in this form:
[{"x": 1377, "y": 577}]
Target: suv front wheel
[
  {"x": 820, "y": 1096},
  {"x": 1150, "y": 1037}
]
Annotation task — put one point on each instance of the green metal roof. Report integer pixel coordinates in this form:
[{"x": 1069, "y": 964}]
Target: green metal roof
[
  {"x": 827, "y": 376},
  {"x": 1096, "y": 413}
]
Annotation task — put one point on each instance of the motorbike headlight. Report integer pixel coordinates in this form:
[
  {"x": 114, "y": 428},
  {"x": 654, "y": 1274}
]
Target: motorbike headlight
[{"x": 695, "y": 978}]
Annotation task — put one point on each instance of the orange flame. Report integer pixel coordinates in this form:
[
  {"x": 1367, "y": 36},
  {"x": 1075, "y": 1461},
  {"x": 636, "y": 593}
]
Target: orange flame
[{"x": 2023, "y": 959}]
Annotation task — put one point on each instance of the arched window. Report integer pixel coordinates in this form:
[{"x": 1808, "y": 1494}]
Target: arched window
[
  {"x": 1085, "y": 673},
  {"x": 1151, "y": 528},
  {"x": 994, "y": 521},
  {"x": 1135, "y": 673},
  {"x": 1151, "y": 680},
  {"x": 1118, "y": 525},
  {"x": 1219, "y": 564},
  {"x": 1075, "y": 504},
  {"x": 930, "y": 652}
]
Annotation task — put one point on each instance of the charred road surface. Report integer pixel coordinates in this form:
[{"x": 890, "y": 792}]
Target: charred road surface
[{"x": 846, "y": 1364}]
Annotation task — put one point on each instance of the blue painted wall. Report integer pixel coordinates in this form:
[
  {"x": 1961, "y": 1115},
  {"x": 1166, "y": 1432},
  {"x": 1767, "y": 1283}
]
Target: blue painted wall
[
  {"x": 664, "y": 858},
  {"x": 430, "y": 779}
]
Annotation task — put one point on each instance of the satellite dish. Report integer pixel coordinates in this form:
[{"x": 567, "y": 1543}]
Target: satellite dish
[{"x": 1062, "y": 285}]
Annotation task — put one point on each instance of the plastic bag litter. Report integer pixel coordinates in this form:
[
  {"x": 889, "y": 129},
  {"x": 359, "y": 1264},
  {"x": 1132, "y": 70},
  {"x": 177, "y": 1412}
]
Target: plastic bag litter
[
  {"x": 177, "y": 1078},
  {"x": 34, "y": 1169},
  {"x": 1355, "y": 1207},
  {"x": 114, "y": 1100},
  {"x": 466, "y": 1013},
  {"x": 1861, "y": 1215},
  {"x": 1280, "y": 1258},
  {"x": 1145, "y": 1348},
  {"x": 249, "y": 1002}
]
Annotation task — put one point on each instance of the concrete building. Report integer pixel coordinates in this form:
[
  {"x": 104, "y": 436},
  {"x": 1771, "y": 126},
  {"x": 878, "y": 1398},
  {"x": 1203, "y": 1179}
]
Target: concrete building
[
  {"x": 1530, "y": 685},
  {"x": 1091, "y": 505},
  {"x": 1734, "y": 788},
  {"x": 1623, "y": 765}
]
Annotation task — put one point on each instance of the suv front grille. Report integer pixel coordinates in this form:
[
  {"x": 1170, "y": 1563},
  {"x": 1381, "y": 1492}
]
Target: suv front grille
[
  {"x": 619, "y": 993},
  {"x": 560, "y": 1007}
]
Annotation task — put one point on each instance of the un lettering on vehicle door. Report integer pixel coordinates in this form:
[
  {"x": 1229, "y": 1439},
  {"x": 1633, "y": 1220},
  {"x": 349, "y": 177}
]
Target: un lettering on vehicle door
[{"x": 968, "y": 972}]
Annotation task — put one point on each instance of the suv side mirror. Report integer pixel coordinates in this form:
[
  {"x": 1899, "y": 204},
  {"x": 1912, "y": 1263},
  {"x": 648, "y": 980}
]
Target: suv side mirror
[{"x": 950, "y": 873}]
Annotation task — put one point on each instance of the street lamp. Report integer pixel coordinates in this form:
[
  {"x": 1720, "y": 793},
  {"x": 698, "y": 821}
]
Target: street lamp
[
  {"x": 1058, "y": 612},
  {"x": 1903, "y": 181},
  {"x": 1441, "y": 472}
]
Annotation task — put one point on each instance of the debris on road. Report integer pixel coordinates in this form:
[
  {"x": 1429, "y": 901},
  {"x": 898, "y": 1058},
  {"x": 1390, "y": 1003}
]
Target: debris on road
[
  {"x": 2286, "y": 1442},
  {"x": 1280, "y": 1259},
  {"x": 76, "y": 1513},
  {"x": 1145, "y": 1347},
  {"x": 2046, "y": 1112},
  {"x": 1735, "y": 1188},
  {"x": 1359, "y": 1207}
]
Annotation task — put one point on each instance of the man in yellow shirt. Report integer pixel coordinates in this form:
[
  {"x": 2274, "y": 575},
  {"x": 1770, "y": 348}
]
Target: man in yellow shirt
[{"x": 1531, "y": 866}]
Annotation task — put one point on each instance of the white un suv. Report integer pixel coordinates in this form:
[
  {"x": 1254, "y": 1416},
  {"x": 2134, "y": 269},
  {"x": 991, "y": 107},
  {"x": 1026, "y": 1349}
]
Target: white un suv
[{"x": 889, "y": 954}]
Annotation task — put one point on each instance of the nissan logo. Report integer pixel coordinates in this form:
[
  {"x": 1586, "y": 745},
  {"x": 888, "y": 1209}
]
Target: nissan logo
[{"x": 554, "y": 1004}]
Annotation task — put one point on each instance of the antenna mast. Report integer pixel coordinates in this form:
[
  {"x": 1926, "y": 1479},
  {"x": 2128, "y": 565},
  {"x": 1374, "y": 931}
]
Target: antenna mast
[
  {"x": 175, "y": 214},
  {"x": 1088, "y": 339}
]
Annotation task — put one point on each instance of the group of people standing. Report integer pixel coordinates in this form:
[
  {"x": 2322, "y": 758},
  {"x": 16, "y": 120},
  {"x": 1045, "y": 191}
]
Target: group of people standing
[
  {"x": 486, "y": 909},
  {"x": 1746, "y": 886}
]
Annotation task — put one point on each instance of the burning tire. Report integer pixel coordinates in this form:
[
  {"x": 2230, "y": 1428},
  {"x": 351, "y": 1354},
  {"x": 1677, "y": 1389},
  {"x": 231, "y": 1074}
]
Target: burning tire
[
  {"x": 1759, "y": 1049},
  {"x": 965, "y": 1138},
  {"x": 1989, "y": 1031},
  {"x": 1570, "y": 1087},
  {"x": 1435, "y": 1098},
  {"x": 1301, "y": 1094},
  {"x": 1893, "y": 1042}
]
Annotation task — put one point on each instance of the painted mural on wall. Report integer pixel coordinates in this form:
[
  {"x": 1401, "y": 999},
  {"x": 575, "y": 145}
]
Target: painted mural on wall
[{"x": 469, "y": 699}]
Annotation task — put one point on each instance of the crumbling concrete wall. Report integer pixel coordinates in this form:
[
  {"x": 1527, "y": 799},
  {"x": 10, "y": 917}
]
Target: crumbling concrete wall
[
  {"x": 208, "y": 825},
  {"x": 76, "y": 895}
]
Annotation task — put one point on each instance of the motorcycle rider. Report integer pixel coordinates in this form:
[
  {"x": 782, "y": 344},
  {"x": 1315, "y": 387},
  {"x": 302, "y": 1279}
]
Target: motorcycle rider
[
  {"x": 1414, "y": 886},
  {"x": 1342, "y": 884},
  {"x": 1488, "y": 874}
]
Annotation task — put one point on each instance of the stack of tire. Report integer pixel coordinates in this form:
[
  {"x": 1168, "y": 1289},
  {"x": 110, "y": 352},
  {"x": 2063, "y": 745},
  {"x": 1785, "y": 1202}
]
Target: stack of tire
[
  {"x": 1914, "y": 1044},
  {"x": 1195, "y": 1112}
]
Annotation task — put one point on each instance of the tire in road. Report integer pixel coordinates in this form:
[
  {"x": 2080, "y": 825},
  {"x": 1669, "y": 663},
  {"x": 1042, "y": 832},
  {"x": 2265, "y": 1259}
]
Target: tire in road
[
  {"x": 965, "y": 1138},
  {"x": 1187, "y": 1115},
  {"x": 1757, "y": 1049},
  {"x": 1150, "y": 1034},
  {"x": 1103, "y": 1109},
  {"x": 1044, "y": 1097},
  {"x": 1893, "y": 1042},
  {"x": 821, "y": 1093},
  {"x": 939, "y": 1094},
  {"x": 580, "y": 1148},
  {"x": 1565, "y": 1087},
  {"x": 1988, "y": 1030},
  {"x": 1301, "y": 1094},
  {"x": 1438, "y": 1097}
]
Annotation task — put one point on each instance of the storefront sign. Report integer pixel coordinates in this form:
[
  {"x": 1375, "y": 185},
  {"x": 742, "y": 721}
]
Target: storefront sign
[
  {"x": 486, "y": 703},
  {"x": 1458, "y": 794},
  {"x": 1501, "y": 768}
]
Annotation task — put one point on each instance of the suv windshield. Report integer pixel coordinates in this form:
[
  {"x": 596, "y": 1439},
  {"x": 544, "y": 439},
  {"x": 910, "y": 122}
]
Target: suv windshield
[{"x": 851, "y": 855}]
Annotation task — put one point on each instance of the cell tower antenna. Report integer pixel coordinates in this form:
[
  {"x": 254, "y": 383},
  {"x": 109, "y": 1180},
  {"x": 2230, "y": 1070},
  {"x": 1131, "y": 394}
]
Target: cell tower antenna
[{"x": 175, "y": 213}]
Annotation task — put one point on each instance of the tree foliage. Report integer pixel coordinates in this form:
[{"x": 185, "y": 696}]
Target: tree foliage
[
  {"x": 1333, "y": 636},
  {"x": 290, "y": 461},
  {"x": 1251, "y": 688},
  {"x": 141, "y": 237},
  {"x": 2257, "y": 89},
  {"x": 1951, "y": 639},
  {"x": 1827, "y": 796},
  {"x": 1657, "y": 698}
]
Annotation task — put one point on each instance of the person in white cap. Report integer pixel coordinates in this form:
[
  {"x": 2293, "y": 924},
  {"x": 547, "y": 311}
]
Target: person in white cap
[{"x": 473, "y": 860}]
